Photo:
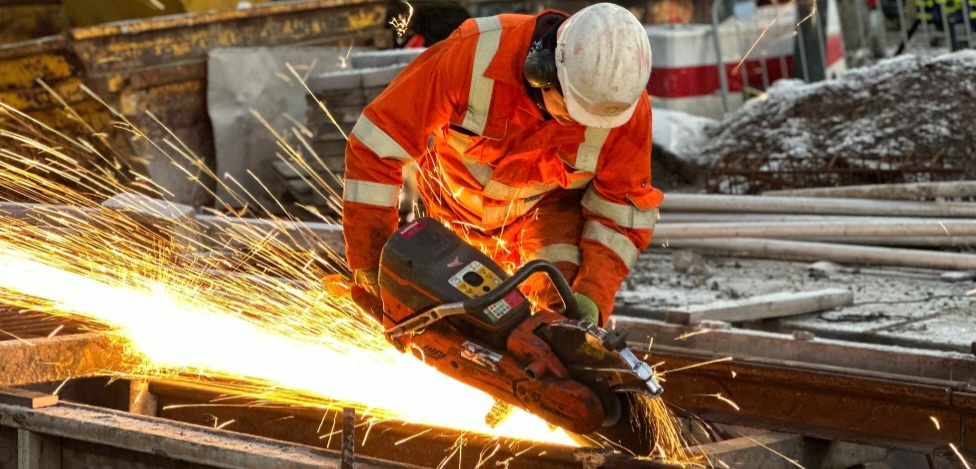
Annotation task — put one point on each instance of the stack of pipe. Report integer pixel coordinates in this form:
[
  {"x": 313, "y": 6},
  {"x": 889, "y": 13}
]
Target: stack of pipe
[{"x": 816, "y": 224}]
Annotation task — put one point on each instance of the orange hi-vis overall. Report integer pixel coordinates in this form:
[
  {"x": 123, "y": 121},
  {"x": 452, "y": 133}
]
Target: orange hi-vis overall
[{"x": 493, "y": 168}]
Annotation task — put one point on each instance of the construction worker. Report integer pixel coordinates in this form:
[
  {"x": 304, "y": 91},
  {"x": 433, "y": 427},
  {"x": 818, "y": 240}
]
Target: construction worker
[{"x": 532, "y": 135}]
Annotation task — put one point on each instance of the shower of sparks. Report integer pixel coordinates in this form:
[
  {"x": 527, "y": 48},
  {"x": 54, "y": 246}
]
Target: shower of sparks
[
  {"x": 239, "y": 307},
  {"x": 669, "y": 441},
  {"x": 236, "y": 306}
]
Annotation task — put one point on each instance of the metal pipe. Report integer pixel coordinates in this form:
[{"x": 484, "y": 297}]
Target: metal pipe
[
  {"x": 678, "y": 202},
  {"x": 902, "y": 23},
  {"x": 809, "y": 251},
  {"x": 805, "y": 229},
  {"x": 903, "y": 191},
  {"x": 967, "y": 21},
  {"x": 859, "y": 12},
  {"x": 947, "y": 27},
  {"x": 719, "y": 60}
]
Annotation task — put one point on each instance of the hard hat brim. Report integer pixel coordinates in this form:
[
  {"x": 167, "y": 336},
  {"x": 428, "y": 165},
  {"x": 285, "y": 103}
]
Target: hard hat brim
[{"x": 584, "y": 117}]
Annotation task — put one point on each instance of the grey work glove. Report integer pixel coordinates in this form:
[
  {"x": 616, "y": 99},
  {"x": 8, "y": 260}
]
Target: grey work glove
[
  {"x": 368, "y": 279},
  {"x": 588, "y": 310}
]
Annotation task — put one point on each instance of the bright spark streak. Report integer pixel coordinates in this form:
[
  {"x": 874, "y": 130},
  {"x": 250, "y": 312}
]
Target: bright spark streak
[
  {"x": 696, "y": 365},
  {"x": 218, "y": 340},
  {"x": 959, "y": 455},
  {"x": 935, "y": 422},
  {"x": 785, "y": 457},
  {"x": 400, "y": 23},
  {"x": 701, "y": 331},
  {"x": 722, "y": 398}
]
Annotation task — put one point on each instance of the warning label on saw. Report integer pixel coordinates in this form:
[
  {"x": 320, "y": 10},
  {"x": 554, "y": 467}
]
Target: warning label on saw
[
  {"x": 474, "y": 280},
  {"x": 481, "y": 355}
]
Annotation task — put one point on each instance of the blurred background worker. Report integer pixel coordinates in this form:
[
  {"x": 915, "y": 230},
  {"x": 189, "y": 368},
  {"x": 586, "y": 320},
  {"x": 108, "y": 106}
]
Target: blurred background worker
[{"x": 532, "y": 134}]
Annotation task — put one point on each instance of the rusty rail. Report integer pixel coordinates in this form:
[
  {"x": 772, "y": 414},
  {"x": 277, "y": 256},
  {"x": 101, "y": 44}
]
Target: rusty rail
[
  {"x": 873, "y": 408},
  {"x": 405, "y": 442}
]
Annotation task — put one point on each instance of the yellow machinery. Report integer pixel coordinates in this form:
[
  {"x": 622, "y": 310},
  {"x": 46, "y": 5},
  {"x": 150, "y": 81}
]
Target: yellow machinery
[{"x": 31, "y": 19}]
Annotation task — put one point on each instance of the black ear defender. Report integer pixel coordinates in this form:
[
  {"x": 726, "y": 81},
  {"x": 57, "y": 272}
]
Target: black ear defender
[{"x": 540, "y": 69}]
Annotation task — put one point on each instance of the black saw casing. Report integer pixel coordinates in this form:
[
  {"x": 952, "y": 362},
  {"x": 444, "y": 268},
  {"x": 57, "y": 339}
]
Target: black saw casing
[{"x": 417, "y": 266}]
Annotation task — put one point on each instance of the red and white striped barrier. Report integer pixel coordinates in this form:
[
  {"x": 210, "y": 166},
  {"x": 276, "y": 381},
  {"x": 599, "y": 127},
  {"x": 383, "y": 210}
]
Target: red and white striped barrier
[{"x": 756, "y": 51}]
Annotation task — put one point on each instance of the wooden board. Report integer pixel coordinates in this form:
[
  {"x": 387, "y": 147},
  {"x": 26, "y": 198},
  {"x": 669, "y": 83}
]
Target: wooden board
[
  {"x": 762, "y": 307},
  {"x": 25, "y": 398}
]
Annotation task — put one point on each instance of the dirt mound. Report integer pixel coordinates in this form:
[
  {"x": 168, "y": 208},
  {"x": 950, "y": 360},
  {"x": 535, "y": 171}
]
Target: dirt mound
[{"x": 907, "y": 119}]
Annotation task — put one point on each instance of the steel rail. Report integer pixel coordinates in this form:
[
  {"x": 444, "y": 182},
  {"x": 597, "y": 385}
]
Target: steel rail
[
  {"x": 408, "y": 443},
  {"x": 873, "y": 408}
]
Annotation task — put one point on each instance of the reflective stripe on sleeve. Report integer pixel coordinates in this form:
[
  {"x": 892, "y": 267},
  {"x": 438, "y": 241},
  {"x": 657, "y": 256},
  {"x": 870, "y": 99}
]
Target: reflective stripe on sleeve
[
  {"x": 558, "y": 253},
  {"x": 479, "y": 95},
  {"x": 589, "y": 151},
  {"x": 378, "y": 141},
  {"x": 625, "y": 215},
  {"x": 616, "y": 242},
  {"x": 371, "y": 193}
]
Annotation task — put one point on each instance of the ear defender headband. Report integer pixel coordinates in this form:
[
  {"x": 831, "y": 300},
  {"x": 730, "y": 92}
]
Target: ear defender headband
[{"x": 540, "y": 63}]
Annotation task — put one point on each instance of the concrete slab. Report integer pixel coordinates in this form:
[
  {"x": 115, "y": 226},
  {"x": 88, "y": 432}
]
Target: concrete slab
[{"x": 896, "y": 306}]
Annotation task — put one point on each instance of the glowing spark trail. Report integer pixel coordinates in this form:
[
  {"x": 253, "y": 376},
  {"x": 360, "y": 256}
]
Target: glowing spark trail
[
  {"x": 239, "y": 306},
  {"x": 959, "y": 455}
]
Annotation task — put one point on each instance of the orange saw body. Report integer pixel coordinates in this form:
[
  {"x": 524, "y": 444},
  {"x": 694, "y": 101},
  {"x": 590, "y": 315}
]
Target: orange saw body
[{"x": 455, "y": 309}]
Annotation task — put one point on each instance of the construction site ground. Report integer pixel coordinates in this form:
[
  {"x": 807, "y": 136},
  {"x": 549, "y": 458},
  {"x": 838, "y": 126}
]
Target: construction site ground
[
  {"x": 893, "y": 306},
  {"x": 895, "y": 122}
]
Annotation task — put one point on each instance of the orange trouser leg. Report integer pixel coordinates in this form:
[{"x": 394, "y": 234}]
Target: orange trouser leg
[{"x": 552, "y": 233}]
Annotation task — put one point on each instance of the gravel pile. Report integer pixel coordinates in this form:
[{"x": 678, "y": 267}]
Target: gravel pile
[{"x": 907, "y": 119}]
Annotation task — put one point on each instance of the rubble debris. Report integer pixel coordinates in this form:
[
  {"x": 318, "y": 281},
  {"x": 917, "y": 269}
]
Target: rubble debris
[{"x": 895, "y": 122}]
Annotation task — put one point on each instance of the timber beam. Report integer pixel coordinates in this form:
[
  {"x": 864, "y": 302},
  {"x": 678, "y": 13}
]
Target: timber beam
[{"x": 58, "y": 358}]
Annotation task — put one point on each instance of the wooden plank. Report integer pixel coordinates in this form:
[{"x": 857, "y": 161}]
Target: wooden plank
[
  {"x": 8, "y": 448},
  {"x": 38, "y": 451},
  {"x": 767, "y": 450},
  {"x": 58, "y": 358},
  {"x": 25, "y": 398},
  {"x": 175, "y": 441},
  {"x": 762, "y": 307}
]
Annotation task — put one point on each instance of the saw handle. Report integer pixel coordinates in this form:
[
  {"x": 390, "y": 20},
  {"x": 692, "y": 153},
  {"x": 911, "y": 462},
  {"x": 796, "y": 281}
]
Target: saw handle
[{"x": 555, "y": 276}]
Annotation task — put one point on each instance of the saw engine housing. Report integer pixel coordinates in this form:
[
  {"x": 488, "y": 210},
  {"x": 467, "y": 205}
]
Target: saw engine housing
[{"x": 431, "y": 283}]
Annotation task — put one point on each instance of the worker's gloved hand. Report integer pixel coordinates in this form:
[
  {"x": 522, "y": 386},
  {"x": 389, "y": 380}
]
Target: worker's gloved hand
[
  {"x": 588, "y": 311},
  {"x": 368, "y": 279}
]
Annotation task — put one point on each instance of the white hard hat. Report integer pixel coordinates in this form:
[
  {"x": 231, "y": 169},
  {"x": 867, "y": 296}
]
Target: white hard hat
[{"x": 603, "y": 60}]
